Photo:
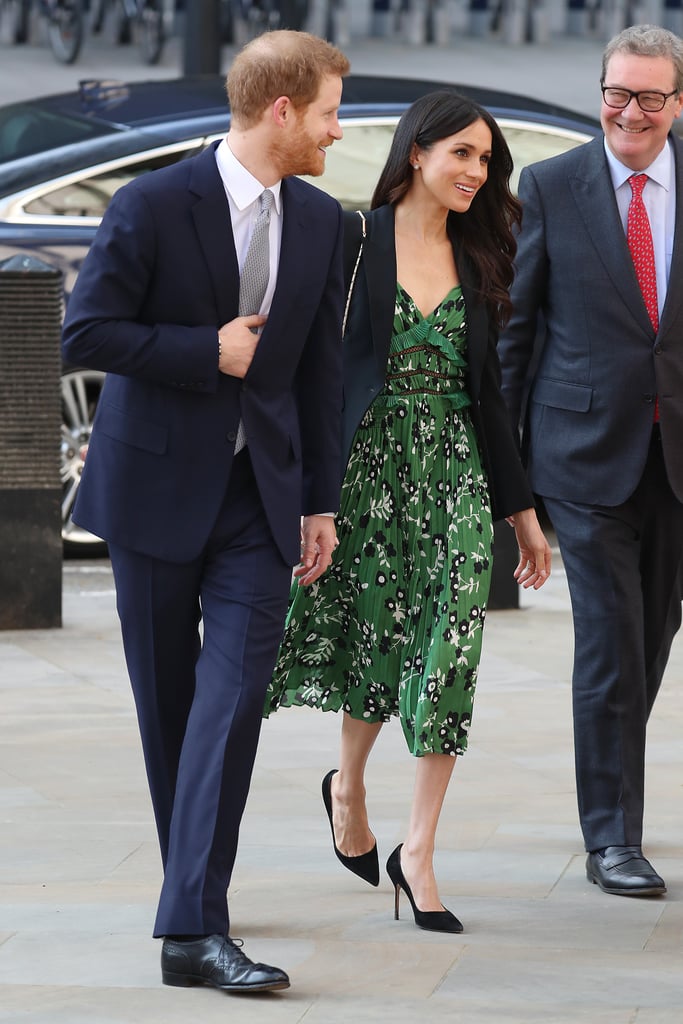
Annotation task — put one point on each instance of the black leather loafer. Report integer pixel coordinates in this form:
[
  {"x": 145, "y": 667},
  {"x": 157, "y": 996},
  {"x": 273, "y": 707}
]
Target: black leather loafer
[
  {"x": 623, "y": 871},
  {"x": 217, "y": 961}
]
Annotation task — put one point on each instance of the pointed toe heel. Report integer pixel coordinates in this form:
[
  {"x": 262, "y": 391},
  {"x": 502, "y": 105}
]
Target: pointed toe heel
[
  {"x": 366, "y": 866},
  {"x": 430, "y": 920}
]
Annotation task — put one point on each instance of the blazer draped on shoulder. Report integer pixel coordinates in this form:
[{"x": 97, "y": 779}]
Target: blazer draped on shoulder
[{"x": 366, "y": 349}]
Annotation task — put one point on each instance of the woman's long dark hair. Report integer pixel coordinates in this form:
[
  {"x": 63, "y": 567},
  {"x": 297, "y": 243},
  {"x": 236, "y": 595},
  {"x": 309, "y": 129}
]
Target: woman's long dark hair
[{"x": 485, "y": 230}]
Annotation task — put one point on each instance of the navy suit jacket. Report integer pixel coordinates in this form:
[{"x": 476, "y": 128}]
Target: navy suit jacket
[
  {"x": 366, "y": 351},
  {"x": 159, "y": 280},
  {"x": 590, "y": 411}
]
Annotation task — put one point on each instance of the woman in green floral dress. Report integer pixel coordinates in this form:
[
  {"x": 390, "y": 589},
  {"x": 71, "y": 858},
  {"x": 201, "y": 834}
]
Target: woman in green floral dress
[{"x": 395, "y": 626}]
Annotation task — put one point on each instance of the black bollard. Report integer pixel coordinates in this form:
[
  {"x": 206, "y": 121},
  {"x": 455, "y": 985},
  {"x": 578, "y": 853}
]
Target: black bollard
[
  {"x": 202, "y": 42},
  {"x": 30, "y": 423}
]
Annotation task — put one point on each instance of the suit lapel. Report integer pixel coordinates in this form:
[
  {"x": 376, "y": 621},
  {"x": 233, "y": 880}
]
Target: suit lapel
[
  {"x": 591, "y": 186},
  {"x": 211, "y": 214},
  {"x": 672, "y": 303},
  {"x": 379, "y": 262},
  {"x": 476, "y": 320},
  {"x": 477, "y": 338}
]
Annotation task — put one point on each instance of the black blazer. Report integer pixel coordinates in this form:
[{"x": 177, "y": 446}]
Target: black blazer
[{"x": 366, "y": 351}]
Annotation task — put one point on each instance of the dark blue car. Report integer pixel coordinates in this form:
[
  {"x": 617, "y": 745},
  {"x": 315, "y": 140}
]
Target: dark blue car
[{"x": 63, "y": 157}]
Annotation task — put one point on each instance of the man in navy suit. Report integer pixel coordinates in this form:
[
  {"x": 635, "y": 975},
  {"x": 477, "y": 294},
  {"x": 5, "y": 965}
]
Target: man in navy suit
[
  {"x": 203, "y": 527},
  {"x": 604, "y": 422}
]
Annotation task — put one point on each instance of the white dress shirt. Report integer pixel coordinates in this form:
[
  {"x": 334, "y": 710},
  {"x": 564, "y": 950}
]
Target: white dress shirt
[
  {"x": 243, "y": 191},
  {"x": 659, "y": 196}
]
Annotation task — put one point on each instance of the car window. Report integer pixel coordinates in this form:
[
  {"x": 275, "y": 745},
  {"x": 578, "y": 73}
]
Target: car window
[
  {"x": 530, "y": 142},
  {"x": 353, "y": 165},
  {"x": 89, "y": 196},
  {"x": 352, "y": 168},
  {"x": 26, "y": 129}
]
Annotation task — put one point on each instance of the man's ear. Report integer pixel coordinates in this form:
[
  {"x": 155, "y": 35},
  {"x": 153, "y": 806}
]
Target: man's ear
[{"x": 282, "y": 110}]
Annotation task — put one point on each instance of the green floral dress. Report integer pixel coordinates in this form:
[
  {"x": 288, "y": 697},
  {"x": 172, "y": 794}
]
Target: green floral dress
[{"x": 394, "y": 627}]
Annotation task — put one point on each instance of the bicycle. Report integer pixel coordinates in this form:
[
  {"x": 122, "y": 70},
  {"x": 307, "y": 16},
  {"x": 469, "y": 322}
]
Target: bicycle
[
  {"x": 125, "y": 16},
  {"x": 64, "y": 22},
  {"x": 65, "y": 27}
]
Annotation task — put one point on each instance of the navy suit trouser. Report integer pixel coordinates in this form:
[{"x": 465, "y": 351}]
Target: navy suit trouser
[
  {"x": 625, "y": 576},
  {"x": 199, "y": 692}
]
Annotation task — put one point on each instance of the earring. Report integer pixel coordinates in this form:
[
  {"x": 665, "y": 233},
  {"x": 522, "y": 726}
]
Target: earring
[{"x": 416, "y": 167}]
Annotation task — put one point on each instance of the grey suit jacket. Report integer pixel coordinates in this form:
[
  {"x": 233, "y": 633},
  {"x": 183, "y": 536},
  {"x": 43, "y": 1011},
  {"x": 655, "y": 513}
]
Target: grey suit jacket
[{"x": 598, "y": 366}]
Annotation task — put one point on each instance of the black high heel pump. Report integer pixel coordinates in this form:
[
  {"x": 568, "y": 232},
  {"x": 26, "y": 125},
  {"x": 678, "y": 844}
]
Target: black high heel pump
[
  {"x": 432, "y": 920},
  {"x": 366, "y": 866}
]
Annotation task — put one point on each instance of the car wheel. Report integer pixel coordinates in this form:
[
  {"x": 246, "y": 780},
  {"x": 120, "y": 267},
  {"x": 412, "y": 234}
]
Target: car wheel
[{"x": 80, "y": 394}]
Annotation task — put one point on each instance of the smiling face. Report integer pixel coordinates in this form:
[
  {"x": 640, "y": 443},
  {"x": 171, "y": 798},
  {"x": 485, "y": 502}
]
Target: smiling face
[
  {"x": 454, "y": 169},
  {"x": 633, "y": 135},
  {"x": 311, "y": 130}
]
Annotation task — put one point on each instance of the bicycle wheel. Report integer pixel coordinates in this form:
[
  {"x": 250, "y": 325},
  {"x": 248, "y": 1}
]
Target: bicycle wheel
[
  {"x": 14, "y": 21},
  {"x": 151, "y": 26},
  {"x": 65, "y": 29}
]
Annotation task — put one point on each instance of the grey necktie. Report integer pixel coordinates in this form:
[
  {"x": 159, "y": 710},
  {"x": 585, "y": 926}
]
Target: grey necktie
[{"x": 255, "y": 275}]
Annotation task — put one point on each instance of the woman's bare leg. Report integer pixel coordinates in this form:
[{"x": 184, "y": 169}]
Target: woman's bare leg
[
  {"x": 349, "y": 815},
  {"x": 432, "y": 775}
]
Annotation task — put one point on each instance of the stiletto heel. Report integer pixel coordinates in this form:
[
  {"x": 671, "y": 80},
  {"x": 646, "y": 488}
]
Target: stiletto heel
[
  {"x": 366, "y": 866},
  {"x": 431, "y": 920}
]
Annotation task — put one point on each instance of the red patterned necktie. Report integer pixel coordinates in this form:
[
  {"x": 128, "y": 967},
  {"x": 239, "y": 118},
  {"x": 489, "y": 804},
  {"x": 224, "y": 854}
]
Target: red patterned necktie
[{"x": 639, "y": 238}]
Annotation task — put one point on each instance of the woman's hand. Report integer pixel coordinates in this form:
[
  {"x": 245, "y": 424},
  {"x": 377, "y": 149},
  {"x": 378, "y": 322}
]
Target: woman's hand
[{"x": 535, "y": 556}]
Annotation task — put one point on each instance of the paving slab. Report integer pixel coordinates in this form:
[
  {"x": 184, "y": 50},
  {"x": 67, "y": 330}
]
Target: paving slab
[{"x": 80, "y": 872}]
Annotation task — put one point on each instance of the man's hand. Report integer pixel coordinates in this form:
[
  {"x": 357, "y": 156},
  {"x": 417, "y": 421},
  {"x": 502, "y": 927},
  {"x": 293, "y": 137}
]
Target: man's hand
[
  {"x": 238, "y": 340},
  {"x": 318, "y": 541},
  {"x": 533, "y": 568}
]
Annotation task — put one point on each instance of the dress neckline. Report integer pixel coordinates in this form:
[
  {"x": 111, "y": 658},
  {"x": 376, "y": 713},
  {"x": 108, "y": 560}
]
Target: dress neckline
[{"x": 455, "y": 288}]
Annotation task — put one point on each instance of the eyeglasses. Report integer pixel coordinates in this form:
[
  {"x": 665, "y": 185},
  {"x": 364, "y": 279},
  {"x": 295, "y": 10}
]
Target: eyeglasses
[{"x": 649, "y": 101}]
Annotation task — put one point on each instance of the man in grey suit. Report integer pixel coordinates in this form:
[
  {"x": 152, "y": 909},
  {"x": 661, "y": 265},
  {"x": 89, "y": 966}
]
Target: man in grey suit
[{"x": 604, "y": 421}]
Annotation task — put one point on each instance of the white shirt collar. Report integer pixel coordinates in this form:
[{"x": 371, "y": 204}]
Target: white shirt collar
[
  {"x": 660, "y": 170},
  {"x": 243, "y": 187}
]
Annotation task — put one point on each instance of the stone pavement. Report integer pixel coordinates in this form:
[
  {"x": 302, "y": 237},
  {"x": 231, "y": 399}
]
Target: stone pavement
[{"x": 80, "y": 873}]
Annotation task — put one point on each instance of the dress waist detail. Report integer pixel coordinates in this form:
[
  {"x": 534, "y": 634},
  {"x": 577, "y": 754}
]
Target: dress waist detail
[{"x": 423, "y": 361}]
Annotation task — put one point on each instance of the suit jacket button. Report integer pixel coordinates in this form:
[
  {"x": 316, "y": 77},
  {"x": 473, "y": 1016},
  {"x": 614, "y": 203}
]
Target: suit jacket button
[
  {"x": 232, "y": 436},
  {"x": 658, "y": 349}
]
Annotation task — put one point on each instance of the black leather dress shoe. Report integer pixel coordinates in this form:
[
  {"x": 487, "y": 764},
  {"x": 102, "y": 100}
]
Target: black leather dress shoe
[
  {"x": 217, "y": 961},
  {"x": 623, "y": 871}
]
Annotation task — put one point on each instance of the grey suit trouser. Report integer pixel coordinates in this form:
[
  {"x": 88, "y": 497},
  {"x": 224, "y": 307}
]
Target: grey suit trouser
[{"x": 624, "y": 568}]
